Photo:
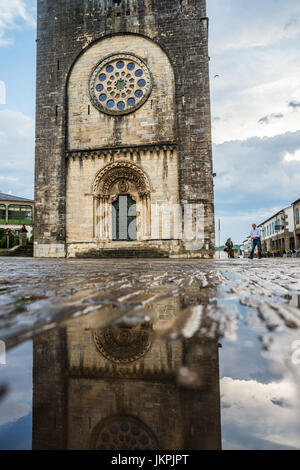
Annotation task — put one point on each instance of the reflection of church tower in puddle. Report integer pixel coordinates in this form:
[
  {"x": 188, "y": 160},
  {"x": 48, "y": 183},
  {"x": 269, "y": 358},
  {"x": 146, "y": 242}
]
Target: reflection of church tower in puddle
[{"x": 121, "y": 388}]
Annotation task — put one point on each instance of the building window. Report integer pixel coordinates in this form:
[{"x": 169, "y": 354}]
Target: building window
[
  {"x": 297, "y": 216},
  {"x": 120, "y": 84},
  {"x": 20, "y": 215},
  {"x": 2, "y": 213}
]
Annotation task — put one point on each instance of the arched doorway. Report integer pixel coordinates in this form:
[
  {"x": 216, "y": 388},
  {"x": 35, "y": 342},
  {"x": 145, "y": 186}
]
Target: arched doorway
[
  {"x": 122, "y": 203},
  {"x": 124, "y": 227}
]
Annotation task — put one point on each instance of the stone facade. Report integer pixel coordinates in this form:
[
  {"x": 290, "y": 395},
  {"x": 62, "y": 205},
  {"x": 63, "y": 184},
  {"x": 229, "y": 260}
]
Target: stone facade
[
  {"x": 142, "y": 130},
  {"x": 278, "y": 240},
  {"x": 296, "y": 212}
]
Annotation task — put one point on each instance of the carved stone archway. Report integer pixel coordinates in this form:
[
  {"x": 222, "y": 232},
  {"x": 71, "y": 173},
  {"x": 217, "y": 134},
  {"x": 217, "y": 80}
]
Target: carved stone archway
[
  {"x": 123, "y": 344},
  {"x": 117, "y": 179}
]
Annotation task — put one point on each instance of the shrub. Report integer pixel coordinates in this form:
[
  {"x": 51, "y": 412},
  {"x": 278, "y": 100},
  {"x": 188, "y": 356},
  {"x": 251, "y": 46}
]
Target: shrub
[{"x": 13, "y": 240}]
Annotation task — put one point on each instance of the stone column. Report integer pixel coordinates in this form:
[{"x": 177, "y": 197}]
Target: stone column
[{"x": 95, "y": 216}]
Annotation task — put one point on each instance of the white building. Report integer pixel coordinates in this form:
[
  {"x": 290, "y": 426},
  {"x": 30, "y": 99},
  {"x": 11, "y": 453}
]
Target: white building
[
  {"x": 296, "y": 210},
  {"x": 277, "y": 232},
  {"x": 247, "y": 247}
]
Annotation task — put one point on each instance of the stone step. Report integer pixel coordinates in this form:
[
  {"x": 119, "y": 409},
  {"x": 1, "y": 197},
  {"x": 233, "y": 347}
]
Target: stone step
[
  {"x": 124, "y": 253},
  {"x": 20, "y": 251}
]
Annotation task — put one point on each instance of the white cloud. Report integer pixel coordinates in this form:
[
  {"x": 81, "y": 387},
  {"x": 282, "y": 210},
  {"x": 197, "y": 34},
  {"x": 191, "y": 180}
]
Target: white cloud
[
  {"x": 248, "y": 92},
  {"x": 2, "y": 92},
  {"x": 16, "y": 153},
  {"x": 254, "y": 50},
  {"x": 257, "y": 169},
  {"x": 295, "y": 156},
  {"x": 256, "y": 24},
  {"x": 6, "y": 178},
  {"x": 17, "y": 376},
  {"x": 255, "y": 180},
  {"x": 12, "y": 13},
  {"x": 258, "y": 63},
  {"x": 261, "y": 412}
]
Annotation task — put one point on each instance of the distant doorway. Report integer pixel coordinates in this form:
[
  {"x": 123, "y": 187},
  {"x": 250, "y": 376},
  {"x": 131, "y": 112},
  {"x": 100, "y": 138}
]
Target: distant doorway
[{"x": 124, "y": 219}]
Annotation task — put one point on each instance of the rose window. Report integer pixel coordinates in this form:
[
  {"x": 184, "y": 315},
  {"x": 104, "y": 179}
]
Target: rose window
[
  {"x": 120, "y": 84},
  {"x": 124, "y": 345},
  {"x": 124, "y": 433}
]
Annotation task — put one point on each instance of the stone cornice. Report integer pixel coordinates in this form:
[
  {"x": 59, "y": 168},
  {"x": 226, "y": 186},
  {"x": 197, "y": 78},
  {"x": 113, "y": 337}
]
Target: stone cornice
[
  {"x": 112, "y": 372},
  {"x": 117, "y": 151}
]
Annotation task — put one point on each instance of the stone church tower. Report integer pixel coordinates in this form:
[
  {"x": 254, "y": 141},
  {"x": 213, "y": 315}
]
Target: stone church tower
[{"x": 123, "y": 137}]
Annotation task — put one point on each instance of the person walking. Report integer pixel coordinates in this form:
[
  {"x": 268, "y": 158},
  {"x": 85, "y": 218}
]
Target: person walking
[{"x": 256, "y": 241}]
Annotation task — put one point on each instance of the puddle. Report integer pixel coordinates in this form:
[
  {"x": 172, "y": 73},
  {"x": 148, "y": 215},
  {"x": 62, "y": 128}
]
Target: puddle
[{"x": 152, "y": 355}]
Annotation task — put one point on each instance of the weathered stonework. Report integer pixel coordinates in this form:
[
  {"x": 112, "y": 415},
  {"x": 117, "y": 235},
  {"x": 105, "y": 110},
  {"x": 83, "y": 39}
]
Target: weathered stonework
[
  {"x": 160, "y": 152},
  {"x": 83, "y": 379}
]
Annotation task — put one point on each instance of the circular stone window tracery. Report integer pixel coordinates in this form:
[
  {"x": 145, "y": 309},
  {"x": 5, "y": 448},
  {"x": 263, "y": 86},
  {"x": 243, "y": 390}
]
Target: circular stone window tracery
[
  {"x": 123, "y": 345},
  {"x": 120, "y": 84},
  {"x": 123, "y": 433}
]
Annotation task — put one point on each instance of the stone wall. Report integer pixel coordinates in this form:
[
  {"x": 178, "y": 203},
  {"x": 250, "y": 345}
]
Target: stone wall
[
  {"x": 296, "y": 206},
  {"x": 161, "y": 169},
  {"x": 169, "y": 386},
  {"x": 66, "y": 31},
  {"x": 152, "y": 123}
]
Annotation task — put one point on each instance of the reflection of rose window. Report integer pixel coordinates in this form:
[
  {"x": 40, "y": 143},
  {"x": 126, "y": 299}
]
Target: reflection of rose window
[
  {"x": 120, "y": 84},
  {"x": 122, "y": 344},
  {"x": 123, "y": 433}
]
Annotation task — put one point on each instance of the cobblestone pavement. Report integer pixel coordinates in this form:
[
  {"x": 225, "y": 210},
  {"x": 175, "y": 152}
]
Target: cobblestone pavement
[
  {"x": 36, "y": 294},
  {"x": 250, "y": 308}
]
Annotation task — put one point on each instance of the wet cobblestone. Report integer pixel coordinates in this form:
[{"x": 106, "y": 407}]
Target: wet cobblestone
[
  {"x": 70, "y": 318},
  {"x": 36, "y": 294}
]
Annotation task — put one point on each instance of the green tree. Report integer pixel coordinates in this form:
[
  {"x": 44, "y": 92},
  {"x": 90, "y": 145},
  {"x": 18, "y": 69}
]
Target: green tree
[{"x": 13, "y": 239}]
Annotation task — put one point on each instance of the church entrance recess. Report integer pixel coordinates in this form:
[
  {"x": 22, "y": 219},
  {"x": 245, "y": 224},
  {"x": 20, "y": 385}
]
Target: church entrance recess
[{"x": 124, "y": 219}]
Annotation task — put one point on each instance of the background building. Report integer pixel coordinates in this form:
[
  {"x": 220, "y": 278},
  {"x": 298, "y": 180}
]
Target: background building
[
  {"x": 247, "y": 247},
  {"x": 16, "y": 211},
  {"x": 123, "y": 141},
  {"x": 277, "y": 232},
  {"x": 296, "y": 212}
]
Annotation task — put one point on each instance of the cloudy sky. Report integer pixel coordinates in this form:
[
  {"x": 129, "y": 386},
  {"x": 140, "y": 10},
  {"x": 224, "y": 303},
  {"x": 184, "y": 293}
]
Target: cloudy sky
[
  {"x": 255, "y": 56},
  {"x": 254, "y": 48},
  {"x": 16, "y": 406}
]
